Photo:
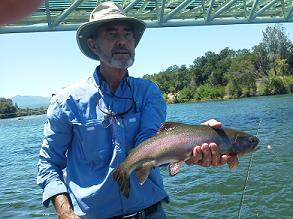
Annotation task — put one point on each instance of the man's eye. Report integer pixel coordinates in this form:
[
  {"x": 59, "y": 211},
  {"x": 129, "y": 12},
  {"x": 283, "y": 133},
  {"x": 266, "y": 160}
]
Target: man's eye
[
  {"x": 111, "y": 35},
  {"x": 129, "y": 35}
]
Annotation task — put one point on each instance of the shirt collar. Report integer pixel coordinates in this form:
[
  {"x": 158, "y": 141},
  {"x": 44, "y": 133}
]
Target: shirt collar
[{"x": 102, "y": 84}]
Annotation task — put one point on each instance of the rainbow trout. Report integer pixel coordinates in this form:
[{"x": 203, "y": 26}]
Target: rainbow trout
[{"x": 173, "y": 144}]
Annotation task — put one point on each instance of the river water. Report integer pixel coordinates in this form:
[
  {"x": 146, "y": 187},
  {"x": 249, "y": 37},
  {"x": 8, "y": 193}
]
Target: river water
[{"x": 196, "y": 192}]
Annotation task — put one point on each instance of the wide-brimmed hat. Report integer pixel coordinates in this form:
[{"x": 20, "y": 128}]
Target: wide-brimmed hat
[{"x": 104, "y": 13}]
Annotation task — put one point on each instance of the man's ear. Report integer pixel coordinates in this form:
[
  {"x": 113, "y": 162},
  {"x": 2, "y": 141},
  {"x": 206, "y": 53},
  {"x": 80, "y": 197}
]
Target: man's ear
[{"x": 92, "y": 45}]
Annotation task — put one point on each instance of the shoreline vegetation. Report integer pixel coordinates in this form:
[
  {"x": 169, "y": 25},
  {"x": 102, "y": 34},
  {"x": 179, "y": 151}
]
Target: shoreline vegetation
[
  {"x": 10, "y": 110},
  {"x": 266, "y": 69}
]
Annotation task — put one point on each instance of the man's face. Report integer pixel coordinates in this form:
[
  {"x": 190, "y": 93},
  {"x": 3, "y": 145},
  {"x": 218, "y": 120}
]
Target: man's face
[{"x": 115, "y": 45}]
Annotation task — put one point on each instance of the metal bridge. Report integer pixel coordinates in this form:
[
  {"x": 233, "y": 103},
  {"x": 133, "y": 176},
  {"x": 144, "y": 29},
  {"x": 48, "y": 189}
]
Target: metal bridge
[{"x": 62, "y": 15}]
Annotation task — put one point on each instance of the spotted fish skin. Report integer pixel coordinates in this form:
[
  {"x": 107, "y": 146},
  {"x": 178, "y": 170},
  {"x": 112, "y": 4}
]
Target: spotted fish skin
[{"x": 173, "y": 144}]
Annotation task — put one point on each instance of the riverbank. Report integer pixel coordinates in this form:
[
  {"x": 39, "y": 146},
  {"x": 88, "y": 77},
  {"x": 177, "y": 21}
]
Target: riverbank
[
  {"x": 172, "y": 100},
  {"x": 20, "y": 113}
]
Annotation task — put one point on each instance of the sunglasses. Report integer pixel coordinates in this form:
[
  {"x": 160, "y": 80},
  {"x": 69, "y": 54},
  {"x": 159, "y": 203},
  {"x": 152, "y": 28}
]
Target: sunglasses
[{"x": 111, "y": 116}]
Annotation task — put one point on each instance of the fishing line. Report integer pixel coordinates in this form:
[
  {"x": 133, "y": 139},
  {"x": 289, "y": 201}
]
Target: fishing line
[{"x": 247, "y": 176}]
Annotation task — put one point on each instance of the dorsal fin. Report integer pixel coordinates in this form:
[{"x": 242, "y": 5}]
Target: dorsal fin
[{"x": 167, "y": 126}]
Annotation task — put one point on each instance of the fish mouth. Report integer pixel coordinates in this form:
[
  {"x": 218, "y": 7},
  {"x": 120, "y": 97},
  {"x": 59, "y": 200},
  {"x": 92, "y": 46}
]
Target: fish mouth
[
  {"x": 256, "y": 148},
  {"x": 254, "y": 142}
]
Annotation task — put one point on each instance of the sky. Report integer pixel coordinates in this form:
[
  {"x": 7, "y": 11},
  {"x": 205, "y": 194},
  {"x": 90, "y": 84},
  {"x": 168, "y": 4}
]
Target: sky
[{"x": 39, "y": 64}]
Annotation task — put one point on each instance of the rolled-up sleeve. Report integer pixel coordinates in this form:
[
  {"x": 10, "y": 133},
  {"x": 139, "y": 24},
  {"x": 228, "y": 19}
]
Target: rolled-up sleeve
[
  {"x": 52, "y": 161},
  {"x": 153, "y": 114}
]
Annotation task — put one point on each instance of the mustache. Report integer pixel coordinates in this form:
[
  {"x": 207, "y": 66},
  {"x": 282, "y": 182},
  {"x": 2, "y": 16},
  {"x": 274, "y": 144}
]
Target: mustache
[{"x": 120, "y": 49}]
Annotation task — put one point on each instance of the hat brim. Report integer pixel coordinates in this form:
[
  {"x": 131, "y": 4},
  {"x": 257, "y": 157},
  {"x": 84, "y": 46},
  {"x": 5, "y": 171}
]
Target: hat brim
[{"x": 87, "y": 30}]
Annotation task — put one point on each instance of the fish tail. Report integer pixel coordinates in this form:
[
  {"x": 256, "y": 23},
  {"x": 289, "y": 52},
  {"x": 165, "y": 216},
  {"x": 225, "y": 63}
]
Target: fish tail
[{"x": 122, "y": 178}]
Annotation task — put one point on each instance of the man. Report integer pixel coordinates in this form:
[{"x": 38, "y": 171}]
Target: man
[{"x": 93, "y": 124}]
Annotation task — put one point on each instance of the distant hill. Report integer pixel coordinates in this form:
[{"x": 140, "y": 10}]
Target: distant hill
[{"x": 31, "y": 101}]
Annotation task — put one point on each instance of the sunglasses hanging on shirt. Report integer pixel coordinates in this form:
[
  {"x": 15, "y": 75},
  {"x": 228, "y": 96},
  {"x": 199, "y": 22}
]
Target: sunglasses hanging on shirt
[{"x": 111, "y": 117}]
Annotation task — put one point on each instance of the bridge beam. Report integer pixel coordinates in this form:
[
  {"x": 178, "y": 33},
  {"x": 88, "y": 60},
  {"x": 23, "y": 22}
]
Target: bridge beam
[
  {"x": 62, "y": 15},
  {"x": 222, "y": 9},
  {"x": 67, "y": 12}
]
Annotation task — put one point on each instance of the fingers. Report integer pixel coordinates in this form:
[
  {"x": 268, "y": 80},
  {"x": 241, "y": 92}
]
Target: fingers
[
  {"x": 205, "y": 155},
  {"x": 224, "y": 158},
  {"x": 213, "y": 123},
  {"x": 196, "y": 156},
  {"x": 209, "y": 155},
  {"x": 232, "y": 161},
  {"x": 216, "y": 156}
]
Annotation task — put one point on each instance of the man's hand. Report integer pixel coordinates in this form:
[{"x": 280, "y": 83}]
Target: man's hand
[{"x": 208, "y": 154}]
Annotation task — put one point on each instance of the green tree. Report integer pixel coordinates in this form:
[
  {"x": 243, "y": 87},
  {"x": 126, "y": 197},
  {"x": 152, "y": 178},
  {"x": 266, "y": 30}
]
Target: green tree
[
  {"x": 277, "y": 45},
  {"x": 275, "y": 86},
  {"x": 185, "y": 94},
  {"x": 282, "y": 66},
  {"x": 225, "y": 56},
  {"x": 7, "y": 108},
  {"x": 208, "y": 91},
  {"x": 290, "y": 60},
  {"x": 242, "y": 73},
  {"x": 241, "y": 77},
  {"x": 261, "y": 60}
]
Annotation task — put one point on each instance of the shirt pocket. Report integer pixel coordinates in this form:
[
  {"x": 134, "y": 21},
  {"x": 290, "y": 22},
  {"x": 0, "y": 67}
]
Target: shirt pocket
[
  {"x": 95, "y": 142},
  {"x": 132, "y": 126}
]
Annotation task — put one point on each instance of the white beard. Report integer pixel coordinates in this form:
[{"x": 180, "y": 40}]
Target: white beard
[{"x": 115, "y": 63}]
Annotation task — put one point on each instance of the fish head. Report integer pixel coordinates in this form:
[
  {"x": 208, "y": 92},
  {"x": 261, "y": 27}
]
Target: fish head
[{"x": 243, "y": 143}]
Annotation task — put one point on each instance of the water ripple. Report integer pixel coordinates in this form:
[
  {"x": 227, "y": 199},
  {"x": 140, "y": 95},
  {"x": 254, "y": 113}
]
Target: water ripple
[{"x": 196, "y": 192}]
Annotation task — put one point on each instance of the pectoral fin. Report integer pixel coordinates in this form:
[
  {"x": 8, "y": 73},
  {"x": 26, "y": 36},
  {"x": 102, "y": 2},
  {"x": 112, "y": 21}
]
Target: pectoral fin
[
  {"x": 233, "y": 166},
  {"x": 122, "y": 178},
  {"x": 175, "y": 167},
  {"x": 143, "y": 172}
]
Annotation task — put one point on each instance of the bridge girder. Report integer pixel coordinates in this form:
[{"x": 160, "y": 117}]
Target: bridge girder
[{"x": 67, "y": 15}]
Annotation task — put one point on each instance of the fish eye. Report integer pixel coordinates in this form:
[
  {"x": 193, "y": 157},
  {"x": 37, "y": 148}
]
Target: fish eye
[{"x": 253, "y": 140}]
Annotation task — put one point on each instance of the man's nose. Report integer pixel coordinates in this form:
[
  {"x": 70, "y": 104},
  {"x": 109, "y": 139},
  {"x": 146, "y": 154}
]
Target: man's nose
[{"x": 121, "y": 39}]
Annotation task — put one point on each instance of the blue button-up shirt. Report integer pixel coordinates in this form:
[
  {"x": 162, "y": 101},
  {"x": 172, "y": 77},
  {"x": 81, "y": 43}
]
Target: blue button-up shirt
[{"x": 80, "y": 137}]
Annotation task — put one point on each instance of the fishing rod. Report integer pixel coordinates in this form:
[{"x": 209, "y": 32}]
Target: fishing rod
[{"x": 247, "y": 176}]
